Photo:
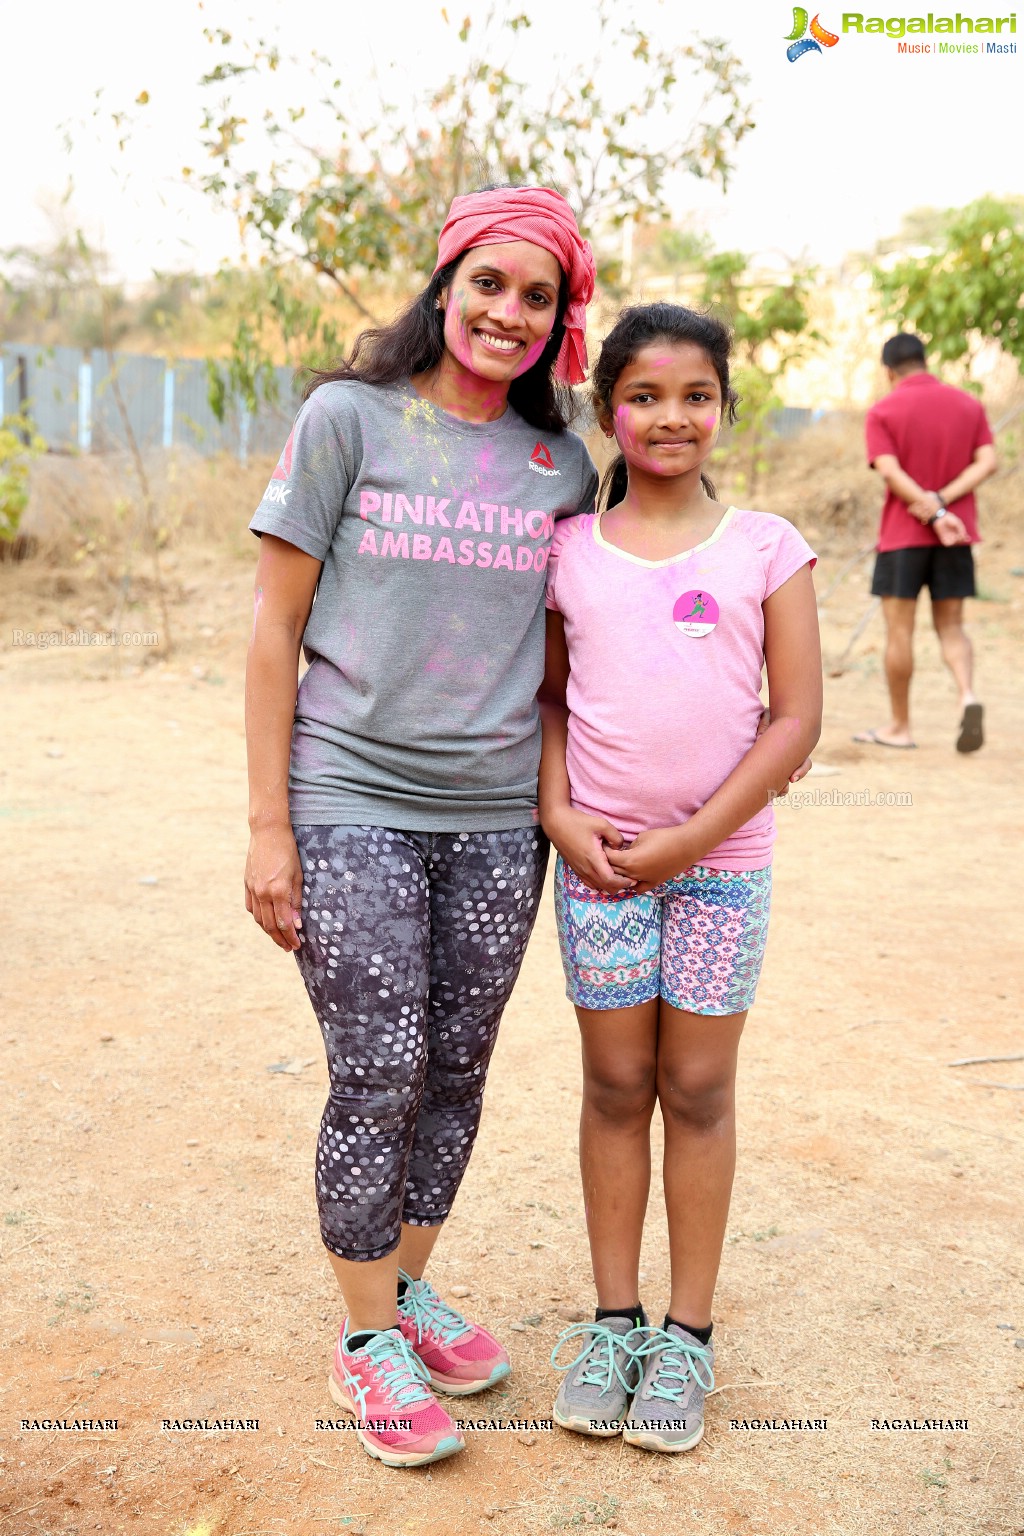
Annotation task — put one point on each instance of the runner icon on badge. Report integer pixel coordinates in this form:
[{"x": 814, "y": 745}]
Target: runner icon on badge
[{"x": 695, "y": 614}]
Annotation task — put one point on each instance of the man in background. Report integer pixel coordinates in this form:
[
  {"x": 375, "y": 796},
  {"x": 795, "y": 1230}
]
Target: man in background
[{"x": 932, "y": 445}]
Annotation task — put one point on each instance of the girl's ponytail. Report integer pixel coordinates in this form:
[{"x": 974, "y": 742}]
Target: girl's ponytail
[{"x": 615, "y": 483}]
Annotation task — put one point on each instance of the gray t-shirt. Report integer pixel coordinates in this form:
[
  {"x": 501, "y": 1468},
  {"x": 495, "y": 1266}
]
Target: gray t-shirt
[{"x": 426, "y": 640}]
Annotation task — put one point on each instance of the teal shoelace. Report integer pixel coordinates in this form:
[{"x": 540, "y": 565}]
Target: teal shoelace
[
  {"x": 605, "y": 1354},
  {"x": 403, "y": 1374},
  {"x": 424, "y": 1307},
  {"x": 677, "y": 1361}
]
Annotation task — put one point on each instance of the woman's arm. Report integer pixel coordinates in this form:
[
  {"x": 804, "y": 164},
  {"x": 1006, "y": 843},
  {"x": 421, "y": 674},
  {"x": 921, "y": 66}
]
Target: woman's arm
[
  {"x": 579, "y": 838},
  {"x": 286, "y": 580},
  {"x": 792, "y": 651},
  {"x": 553, "y": 785}
]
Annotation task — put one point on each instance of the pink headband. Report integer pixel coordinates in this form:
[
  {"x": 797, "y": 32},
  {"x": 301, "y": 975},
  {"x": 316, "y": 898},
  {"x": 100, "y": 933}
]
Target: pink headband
[{"x": 544, "y": 218}]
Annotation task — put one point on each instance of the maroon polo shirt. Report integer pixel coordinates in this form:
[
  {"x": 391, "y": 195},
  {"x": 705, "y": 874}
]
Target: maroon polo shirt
[{"x": 934, "y": 431}]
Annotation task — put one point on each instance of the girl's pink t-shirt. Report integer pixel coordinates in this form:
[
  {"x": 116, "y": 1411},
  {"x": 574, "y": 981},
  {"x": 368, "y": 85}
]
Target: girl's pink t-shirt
[{"x": 666, "y": 663}]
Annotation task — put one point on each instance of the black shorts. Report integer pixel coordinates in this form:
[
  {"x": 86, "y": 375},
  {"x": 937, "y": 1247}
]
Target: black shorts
[{"x": 945, "y": 571}]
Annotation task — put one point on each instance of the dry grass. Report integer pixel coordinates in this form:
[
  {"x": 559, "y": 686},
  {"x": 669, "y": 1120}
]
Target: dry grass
[
  {"x": 87, "y": 506},
  {"x": 88, "y": 558},
  {"x": 89, "y": 503},
  {"x": 85, "y": 558},
  {"x": 820, "y": 481},
  {"x": 156, "y": 1216}
]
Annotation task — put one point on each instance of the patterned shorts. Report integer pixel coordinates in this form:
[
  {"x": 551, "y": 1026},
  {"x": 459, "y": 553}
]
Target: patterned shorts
[{"x": 697, "y": 941}]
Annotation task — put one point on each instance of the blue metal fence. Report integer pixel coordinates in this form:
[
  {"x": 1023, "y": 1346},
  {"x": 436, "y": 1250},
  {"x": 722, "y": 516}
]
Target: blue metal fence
[
  {"x": 73, "y": 396},
  {"x": 76, "y": 400}
]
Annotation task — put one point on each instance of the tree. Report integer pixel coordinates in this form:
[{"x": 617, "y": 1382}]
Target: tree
[
  {"x": 771, "y": 324},
  {"x": 967, "y": 291},
  {"x": 60, "y": 291},
  {"x": 924, "y": 226},
  {"x": 373, "y": 201}
]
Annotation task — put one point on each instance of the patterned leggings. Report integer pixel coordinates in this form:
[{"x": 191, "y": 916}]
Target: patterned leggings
[{"x": 412, "y": 942}]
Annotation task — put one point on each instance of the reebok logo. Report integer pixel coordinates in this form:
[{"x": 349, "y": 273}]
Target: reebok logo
[
  {"x": 284, "y": 468},
  {"x": 541, "y": 461}
]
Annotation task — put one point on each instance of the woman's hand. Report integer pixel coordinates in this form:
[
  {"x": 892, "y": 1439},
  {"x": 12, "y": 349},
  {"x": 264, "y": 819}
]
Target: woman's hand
[
  {"x": 651, "y": 859},
  {"x": 582, "y": 841},
  {"x": 273, "y": 884}
]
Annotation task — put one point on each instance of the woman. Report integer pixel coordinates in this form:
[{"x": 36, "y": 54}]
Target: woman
[{"x": 394, "y": 839}]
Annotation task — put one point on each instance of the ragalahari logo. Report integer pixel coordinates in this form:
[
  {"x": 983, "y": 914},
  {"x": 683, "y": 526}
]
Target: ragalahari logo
[{"x": 800, "y": 43}]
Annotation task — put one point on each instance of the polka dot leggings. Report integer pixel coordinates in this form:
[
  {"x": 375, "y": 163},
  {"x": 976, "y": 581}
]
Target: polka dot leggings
[{"x": 412, "y": 942}]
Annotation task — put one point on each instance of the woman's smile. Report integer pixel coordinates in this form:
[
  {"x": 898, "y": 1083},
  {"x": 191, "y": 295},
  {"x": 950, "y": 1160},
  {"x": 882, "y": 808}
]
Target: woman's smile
[{"x": 498, "y": 343}]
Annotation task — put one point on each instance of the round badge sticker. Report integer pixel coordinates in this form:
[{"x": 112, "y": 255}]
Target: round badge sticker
[{"x": 695, "y": 613}]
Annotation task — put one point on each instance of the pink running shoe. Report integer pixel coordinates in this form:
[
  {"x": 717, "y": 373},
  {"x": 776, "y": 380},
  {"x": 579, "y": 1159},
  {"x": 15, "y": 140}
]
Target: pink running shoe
[
  {"x": 383, "y": 1386},
  {"x": 459, "y": 1357}
]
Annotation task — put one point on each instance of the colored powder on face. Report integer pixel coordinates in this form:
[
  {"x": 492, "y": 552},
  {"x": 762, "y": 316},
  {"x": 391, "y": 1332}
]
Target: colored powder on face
[
  {"x": 710, "y": 421},
  {"x": 458, "y": 336},
  {"x": 623, "y": 426},
  {"x": 459, "y": 341},
  {"x": 511, "y": 305},
  {"x": 531, "y": 355}
]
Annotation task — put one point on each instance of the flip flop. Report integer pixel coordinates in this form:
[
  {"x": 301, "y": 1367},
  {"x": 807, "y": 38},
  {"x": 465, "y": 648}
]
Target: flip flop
[
  {"x": 971, "y": 734},
  {"x": 872, "y": 739}
]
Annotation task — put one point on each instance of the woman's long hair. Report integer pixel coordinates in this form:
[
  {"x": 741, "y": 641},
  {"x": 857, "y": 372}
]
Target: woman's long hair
[
  {"x": 637, "y": 327},
  {"x": 414, "y": 342}
]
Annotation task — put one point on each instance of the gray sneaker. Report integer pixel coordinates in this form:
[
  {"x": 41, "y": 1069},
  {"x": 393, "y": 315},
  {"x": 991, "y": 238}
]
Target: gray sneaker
[
  {"x": 602, "y": 1378},
  {"x": 667, "y": 1413}
]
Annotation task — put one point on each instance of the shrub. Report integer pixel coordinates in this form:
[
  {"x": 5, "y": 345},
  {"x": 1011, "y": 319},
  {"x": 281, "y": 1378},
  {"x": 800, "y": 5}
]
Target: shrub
[{"x": 20, "y": 443}]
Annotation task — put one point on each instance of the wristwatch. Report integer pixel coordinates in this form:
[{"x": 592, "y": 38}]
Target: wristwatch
[{"x": 943, "y": 509}]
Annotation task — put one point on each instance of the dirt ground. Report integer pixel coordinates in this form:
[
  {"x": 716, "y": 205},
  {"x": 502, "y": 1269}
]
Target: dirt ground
[{"x": 161, "y": 1255}]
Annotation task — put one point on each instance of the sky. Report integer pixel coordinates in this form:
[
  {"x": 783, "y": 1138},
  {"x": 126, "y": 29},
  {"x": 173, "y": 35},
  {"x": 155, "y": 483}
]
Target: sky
[{"x": 847, "y": 138}]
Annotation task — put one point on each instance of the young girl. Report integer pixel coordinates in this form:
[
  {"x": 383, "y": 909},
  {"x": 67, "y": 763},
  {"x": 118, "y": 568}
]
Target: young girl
[{"x": 655, "y": 789}]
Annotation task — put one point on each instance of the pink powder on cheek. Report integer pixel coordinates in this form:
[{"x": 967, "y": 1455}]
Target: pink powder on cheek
[
  {"x": 623, "y": 426},
  {"x": 456, "y": 333},
  {"x": 710, "y": 421},
  {"x": 531, "y": 355}
]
